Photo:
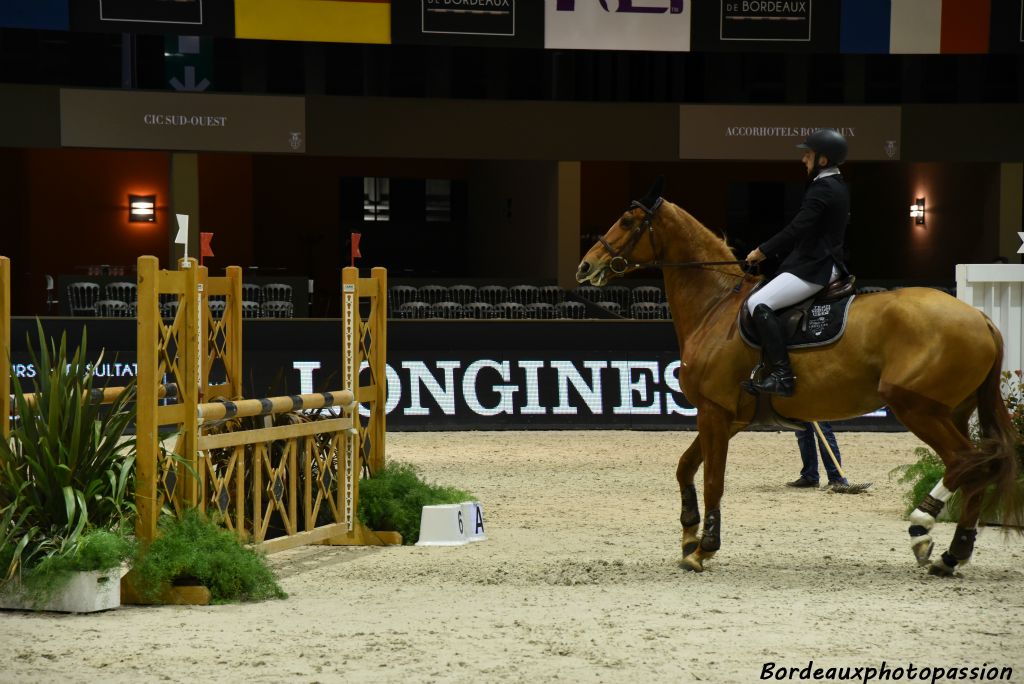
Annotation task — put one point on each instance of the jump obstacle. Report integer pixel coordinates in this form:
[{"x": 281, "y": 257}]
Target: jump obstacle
[{"x": 304, "y": 470}]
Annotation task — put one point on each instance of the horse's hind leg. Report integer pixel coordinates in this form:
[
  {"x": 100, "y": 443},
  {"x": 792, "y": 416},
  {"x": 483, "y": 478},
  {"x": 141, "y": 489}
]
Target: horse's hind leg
[
  {"x": 689, "y": 516},
  {"x": 945, "y": 432},
  {"x": 962, "y": 546}
]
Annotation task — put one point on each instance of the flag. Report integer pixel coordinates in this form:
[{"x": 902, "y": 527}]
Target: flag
[
  {"x": 355, "y": 247},
  {"x": 204, "y": 246},
  {"x": 182, "y": 237}
]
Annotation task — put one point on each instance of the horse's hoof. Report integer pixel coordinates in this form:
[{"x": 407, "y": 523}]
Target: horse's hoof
[
  {"x": 923, "y": 551},
  {"x": 692, "y": 562},
  {"x": 940, "y": 568}
]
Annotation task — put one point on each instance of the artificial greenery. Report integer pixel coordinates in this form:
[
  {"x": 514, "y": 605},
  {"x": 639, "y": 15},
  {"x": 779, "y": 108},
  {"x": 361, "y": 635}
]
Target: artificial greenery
[
  {"x": 96, "y": 550},
  {"x": 393, "y": 499},
  {"x": 68, "y": 466},
  {"x": 1012, "y": 387},
  {"x": 923, "y": 475},
  {"x": 196, "y": 549}
]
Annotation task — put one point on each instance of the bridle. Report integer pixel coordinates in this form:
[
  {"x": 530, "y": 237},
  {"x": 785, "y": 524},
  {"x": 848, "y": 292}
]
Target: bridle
[{"x": 620, "y": 263}]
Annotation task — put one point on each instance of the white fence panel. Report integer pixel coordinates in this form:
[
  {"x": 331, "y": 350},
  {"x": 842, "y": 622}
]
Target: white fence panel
[{"x": 998, "y": 290}]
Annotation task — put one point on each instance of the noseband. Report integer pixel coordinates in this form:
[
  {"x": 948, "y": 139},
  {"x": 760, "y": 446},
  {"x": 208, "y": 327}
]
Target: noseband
[{"x": 620, "y": 263}]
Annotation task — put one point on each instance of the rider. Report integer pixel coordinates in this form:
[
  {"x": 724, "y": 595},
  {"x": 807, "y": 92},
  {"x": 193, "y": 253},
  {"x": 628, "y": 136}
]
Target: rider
[{"x": 812, "y": 249}]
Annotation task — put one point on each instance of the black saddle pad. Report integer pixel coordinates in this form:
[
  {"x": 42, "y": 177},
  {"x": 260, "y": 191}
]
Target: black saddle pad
[{"x": 807, "y": 324}]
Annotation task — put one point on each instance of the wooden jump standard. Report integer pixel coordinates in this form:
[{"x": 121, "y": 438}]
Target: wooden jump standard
[
  {"x": 297, "y": 473},
  {"x": 250, "y": 476}
]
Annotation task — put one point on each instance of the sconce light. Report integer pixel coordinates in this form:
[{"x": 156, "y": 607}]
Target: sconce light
[
  {"x": 917, "y": 211},
  {"x": 141, "y": 208}
]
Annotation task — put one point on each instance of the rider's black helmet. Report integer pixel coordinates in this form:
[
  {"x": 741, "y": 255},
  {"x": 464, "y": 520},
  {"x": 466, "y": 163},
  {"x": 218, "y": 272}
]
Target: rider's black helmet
[{"x": 828, "y": 142}]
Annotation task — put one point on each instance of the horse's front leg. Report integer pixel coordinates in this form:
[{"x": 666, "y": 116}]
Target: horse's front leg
[
  {"x": 689, "y": 517},
  {"x": 713, "y": 433}
]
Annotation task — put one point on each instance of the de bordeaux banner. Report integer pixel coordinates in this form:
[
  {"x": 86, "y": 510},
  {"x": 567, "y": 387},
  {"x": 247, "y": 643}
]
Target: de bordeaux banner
[
  {"x": 485, "y": 23},
  {"x": 766, "y": 25},
  {"x": 744, "y": 132},
  {"x": 660, "y": 25},
  {"x": 185, "y": 17},
  {"x": 182, "y": 121}
]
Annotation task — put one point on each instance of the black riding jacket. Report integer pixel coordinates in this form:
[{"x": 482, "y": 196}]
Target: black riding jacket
[{"x": 813, "y": 240}]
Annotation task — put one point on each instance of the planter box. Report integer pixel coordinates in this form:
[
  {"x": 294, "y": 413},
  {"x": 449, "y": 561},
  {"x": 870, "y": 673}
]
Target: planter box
[{"x": 85, "y": 592}]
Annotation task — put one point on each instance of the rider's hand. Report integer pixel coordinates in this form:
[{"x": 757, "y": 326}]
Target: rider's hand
[{"x": 755, "y": 256}]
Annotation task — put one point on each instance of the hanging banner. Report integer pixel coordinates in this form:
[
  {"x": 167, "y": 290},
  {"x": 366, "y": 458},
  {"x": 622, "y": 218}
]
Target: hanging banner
[
  {"x": 662, "y": 25},
  {"x": 915, "y": 27},
  {"x": 1007, "y": 26},
  {"x": 184, "y": 17},
  {"x": 772, "y": 132},
  {"x": 46, "y": 15},
  {"x": 766, "y": 25},
  {"x": 865, "y": 26},
  {"x": 322, "y": 21},
  {"x": 182, "y": 121},
  {"x": 485, "y": 23}
]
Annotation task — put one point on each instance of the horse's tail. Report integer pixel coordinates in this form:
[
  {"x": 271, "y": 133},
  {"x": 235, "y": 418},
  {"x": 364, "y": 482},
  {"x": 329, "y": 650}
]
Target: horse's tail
[{"x": 998, "y": 463}]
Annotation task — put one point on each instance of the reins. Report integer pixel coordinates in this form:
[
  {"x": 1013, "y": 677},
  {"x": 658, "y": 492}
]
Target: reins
[{"x": 621, "y": 256}]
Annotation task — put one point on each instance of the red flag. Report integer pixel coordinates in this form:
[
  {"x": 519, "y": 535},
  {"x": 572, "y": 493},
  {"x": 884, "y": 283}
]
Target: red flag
[
  {"x": 204, "y": 246},
  {"x": 355, "y": 247}
]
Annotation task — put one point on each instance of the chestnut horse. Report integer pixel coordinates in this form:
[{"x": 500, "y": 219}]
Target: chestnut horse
[{"x": 932, "y": 359}]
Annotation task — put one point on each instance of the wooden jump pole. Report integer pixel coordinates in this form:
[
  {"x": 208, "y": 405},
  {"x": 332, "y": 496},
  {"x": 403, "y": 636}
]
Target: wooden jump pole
[
  {"x": 104, "y": 395},
  {"x": 267, "y": 406}
]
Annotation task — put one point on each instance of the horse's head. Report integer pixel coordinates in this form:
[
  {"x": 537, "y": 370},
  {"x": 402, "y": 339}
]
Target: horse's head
[{"x": 623, "y": 246}]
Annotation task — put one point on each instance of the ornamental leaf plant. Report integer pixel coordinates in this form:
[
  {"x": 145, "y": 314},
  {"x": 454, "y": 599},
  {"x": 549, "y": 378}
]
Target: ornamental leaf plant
[{"x": 68, "y": 466}]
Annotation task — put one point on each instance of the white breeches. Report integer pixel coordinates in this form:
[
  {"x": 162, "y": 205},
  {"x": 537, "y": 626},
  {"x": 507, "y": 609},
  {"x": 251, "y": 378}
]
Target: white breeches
[{"x": 786, "y": 289}]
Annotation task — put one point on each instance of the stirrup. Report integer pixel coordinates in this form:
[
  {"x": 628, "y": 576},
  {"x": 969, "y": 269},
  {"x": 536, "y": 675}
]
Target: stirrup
[{"x": 777, "y": 381}]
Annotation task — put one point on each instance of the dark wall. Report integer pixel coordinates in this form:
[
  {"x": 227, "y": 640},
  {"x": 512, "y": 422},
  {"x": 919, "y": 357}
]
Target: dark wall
[
  {"x": 961, "y": 219},
  {"x": 513, "y": 230},
  {"x": 226, "y": 207},
  {"x": 14, "y": 234},
  {"x": 75, "y": 213}
]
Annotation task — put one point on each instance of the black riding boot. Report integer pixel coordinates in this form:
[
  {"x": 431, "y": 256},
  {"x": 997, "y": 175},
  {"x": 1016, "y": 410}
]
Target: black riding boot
[{"x": 777, "y": 377}]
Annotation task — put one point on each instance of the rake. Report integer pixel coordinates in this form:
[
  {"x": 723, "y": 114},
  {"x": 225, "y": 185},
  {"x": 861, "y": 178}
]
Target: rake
[{"x": 846, "y": 488}]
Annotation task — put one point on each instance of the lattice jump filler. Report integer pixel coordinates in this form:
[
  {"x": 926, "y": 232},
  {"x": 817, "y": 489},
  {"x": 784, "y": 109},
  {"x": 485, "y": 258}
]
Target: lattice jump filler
[{"x": 305, "y": 472}]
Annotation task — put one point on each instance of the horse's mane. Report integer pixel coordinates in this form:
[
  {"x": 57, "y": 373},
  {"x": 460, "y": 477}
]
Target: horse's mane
[{"x": 704, "y": 245}]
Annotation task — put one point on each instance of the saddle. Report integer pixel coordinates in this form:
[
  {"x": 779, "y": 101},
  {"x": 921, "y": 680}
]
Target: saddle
[{"x": 816, "y": 321}]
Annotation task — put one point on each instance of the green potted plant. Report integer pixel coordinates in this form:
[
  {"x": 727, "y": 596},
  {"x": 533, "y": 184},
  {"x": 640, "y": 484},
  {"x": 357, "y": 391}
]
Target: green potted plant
[{"x": 65, "y": 486}]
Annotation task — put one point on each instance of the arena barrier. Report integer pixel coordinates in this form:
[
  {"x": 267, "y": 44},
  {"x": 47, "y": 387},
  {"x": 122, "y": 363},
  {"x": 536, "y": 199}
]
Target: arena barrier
[
  {"x": 278, "y": 471},
  {"x": 998, "y": 290},
  {"x": 297, "y": 480}
]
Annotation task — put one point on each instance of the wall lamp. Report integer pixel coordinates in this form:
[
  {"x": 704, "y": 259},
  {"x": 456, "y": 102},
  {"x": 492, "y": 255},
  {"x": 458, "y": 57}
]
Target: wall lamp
[
  {"x": 141, "y": 208},
  {"x": 917, "y": 211}
]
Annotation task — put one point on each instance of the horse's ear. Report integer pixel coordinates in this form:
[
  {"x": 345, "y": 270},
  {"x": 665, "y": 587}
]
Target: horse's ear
[{"x": 654, "y": 193}]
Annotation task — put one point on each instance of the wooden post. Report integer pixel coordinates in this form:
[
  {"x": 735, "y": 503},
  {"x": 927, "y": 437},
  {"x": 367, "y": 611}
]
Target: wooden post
[
  {"x": 191, "y": 351},
  {"x": 146, "y": 397},
  {"x": 5, "y": 344},
  {"x": 349, "y": 459},
  {"x": 378, "y": 360},
  {"x": 233, "y": 316}
]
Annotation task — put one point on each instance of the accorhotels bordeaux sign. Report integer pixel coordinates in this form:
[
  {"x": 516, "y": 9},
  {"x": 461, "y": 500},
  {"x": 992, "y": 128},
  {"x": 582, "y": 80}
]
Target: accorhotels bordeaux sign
[
  {"x": 182, "y": 121},
  {"x": 771, "y": 132}
]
